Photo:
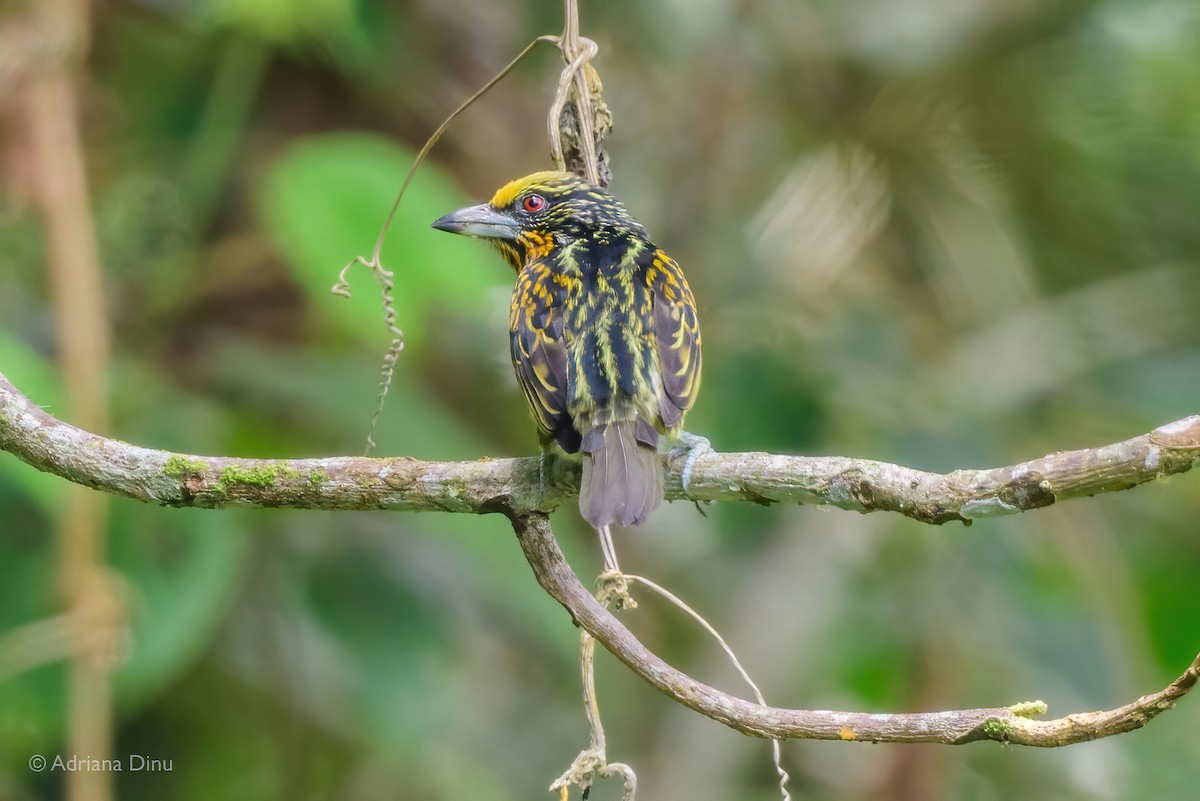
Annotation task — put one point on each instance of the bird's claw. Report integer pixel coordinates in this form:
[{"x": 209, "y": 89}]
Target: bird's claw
[{"x": 694, "y": 446}]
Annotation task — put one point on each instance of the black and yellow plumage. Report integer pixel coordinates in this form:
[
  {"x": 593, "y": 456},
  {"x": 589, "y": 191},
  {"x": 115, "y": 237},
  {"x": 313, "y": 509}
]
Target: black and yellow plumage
[{"x": 605, "y": 340}]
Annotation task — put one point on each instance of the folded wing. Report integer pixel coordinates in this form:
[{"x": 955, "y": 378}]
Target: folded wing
[{"x": 677, "y": 335}]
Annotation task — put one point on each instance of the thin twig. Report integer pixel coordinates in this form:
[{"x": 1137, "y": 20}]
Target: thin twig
[
  {"x": 579, "y": 120},
  {"x": 385, "y": 277},
  {"x": 577, "y": 52},
  {"x": 593, "y": 760},
  {"x": 674, "y": 600}
]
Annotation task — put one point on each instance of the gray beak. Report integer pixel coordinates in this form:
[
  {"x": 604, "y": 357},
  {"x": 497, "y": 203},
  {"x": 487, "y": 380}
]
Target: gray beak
[{"x": 480, "y": 221}]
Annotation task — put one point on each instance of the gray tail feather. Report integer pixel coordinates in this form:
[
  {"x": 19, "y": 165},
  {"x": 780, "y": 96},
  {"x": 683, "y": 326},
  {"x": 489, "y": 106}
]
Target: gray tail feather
[{"x": 622, "y": 474}]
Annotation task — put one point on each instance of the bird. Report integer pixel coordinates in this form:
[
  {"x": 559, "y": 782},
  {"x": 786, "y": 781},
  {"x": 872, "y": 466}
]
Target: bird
[{"x": 603, "y": 334}]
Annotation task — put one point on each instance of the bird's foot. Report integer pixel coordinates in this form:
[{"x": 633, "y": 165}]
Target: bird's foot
[
  {"x": 693, "y": 446},
  {"x": 544, "y": 472},
  {"x": 556, "y": 472}
]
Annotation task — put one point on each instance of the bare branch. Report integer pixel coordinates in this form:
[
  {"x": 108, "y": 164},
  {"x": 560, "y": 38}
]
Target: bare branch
[
  {"x": 1007, "y": 724},
  {"x": 513, "y": 486},
  {"x": 869, "y": 486}
]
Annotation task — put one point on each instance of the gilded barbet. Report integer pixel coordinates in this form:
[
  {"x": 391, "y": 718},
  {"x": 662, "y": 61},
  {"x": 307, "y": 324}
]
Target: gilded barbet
[{"x": 603, "y": 333}]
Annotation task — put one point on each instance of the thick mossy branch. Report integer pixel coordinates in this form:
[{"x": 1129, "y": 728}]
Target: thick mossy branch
[
  {"x": 513, "y": 485},
  {"x": 1006, "y": 724}
]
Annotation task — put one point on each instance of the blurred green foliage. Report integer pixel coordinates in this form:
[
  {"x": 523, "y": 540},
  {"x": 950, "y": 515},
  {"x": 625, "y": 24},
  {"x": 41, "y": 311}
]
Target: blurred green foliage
[{"x": 942, "y": 234}]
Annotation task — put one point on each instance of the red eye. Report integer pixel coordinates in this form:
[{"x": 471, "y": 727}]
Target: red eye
[{"x": 534, "y": 203}]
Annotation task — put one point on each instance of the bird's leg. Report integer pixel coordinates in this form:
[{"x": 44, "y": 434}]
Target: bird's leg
[{"x": 694, "y": 446}]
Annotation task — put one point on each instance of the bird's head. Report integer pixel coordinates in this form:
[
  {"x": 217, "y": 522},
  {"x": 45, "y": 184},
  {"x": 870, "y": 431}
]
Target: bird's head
[{"x": 529, "y": 217}]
